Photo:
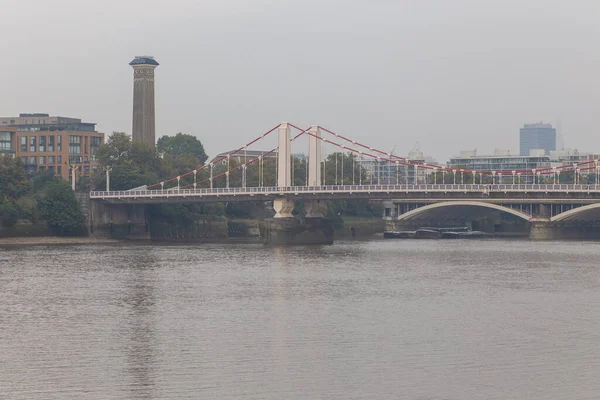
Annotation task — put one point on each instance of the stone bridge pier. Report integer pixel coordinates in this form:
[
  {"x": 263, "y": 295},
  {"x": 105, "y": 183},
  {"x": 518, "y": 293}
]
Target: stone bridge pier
[
  {"x": 286, "y": 229},
  {"x": 122, "y": 221}
]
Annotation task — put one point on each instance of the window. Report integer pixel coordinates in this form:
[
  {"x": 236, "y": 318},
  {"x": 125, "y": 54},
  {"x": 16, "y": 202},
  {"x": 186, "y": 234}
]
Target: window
[
  {"x": 5, "y": 141},
  {"x": 42, "y": 160},
  {"x": 59, "y": 160},
  {"x": 50, "y": 143},
  {"x": 51, "y": 168},
  {"x": 74, "y": 144},
  {"x": 59, "y": 170},
  {"x": 32, "y": 160},
  {"x": 75, "y": 160},
  {"x": 51, "y": 159},
  {"x": 59, "y": 143},
  {"x": 95, "y": 142},
  {"x": 32, "y": 144},
  {"x": 24, "y": 144},
  {"x": 42, "y": 144}
]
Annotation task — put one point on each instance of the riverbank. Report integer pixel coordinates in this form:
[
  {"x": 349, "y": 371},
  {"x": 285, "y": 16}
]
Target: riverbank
[{"x": 47, "y": 240}]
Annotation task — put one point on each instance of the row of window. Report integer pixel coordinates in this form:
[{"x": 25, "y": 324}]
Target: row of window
[
  {"x": 58, "y": 169},
  {"x": 41, "y": 160},
  {"x": 50, "y": 143}
]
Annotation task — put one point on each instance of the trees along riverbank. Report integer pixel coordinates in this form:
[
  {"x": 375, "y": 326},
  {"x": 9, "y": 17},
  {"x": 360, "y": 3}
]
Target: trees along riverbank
[{"x": 43, "y": 203}]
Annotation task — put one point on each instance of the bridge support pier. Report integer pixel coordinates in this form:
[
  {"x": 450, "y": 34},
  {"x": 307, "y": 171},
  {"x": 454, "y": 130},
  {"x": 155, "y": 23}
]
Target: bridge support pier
[
  {"x": 285, "y": 229},
  {"x": 298, "y": 231},
  {"x": 542, "y": 230},
  {"x": 122, "y": 221}
]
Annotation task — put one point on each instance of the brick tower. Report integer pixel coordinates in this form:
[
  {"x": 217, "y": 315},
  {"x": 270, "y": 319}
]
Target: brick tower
[{"x": 143, "y": 99}]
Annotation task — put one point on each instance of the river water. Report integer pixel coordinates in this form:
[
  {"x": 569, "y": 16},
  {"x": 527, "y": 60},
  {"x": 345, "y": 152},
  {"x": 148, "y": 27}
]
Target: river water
[{"x": 400, "y": 319}]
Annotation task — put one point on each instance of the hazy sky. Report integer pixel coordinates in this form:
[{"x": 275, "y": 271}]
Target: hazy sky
[{"x": 449, "y": 74}]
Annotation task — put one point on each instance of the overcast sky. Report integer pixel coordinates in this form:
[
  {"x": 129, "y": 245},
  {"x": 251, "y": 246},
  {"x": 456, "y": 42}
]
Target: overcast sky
[{"x": 448, "y": 74}]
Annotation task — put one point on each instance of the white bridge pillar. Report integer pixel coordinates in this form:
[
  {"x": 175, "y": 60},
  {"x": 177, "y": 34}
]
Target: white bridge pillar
[
  {"x": 314, "y": 156},
  {"x": 284, "y": 159}
]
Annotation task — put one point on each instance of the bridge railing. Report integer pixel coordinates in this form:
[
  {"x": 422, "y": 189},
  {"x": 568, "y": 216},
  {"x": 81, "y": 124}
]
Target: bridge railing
[{"x": 272, "y": 190}]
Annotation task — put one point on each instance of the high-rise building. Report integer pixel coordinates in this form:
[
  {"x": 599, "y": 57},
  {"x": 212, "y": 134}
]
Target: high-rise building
[
  {"x": 537, "y": 136},
  {"x": 51, "y": 143},
  {"x": 143, "y": 99}
]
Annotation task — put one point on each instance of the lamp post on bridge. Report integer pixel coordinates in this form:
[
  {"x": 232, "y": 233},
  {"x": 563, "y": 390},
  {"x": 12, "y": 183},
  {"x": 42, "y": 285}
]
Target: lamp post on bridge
[
  {"x": 597, "y": 170},
  {"x": 435, "y": 175},
  {"x": 178, "y": 181},
  {"x": 500, "y": 177},
  {"x": 533, "y": 175},
  {"x": 195, "y": 173},
  {"x": 73, "y": 169},
  {"x": 558, "y": 176},
  {"x": 244, "y": 176},
  {"x": 107, "y": 169},
  {"x": 538, "y": 176},
  {"x": 554, "y": 175},
  {"x": 493, "y": 177},
  {"x": 513, "y": 175},
  {"x": 462, "y": 181},
  {"x": 474, "y": 177},
  {"x": 454, "y": 177},
  {"x": 162, "y": 186},
  {"x": 575, "y": 174},
  {"x": 518, "y": 178},
  {"x": 211, "y": 175}
]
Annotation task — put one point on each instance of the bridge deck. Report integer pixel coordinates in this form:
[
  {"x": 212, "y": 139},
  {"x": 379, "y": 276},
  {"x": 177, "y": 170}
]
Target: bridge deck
[{"x": 241, "y": 194}]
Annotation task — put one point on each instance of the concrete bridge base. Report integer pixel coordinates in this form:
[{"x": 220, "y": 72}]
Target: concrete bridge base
[
  {"x": 122, "y": 221},
  {"x": 298, "y": 231}
]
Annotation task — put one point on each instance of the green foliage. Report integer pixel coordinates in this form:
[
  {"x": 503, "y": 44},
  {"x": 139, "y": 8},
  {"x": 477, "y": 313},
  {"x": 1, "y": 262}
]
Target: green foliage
[
  {"x": 9, "y": 213},
  {"x": 28, "y": 208},
  {"x": 180, "y": 145},
  {"x": 40, "y": 179},
  {"x": 344, "y": 169},
  {"x": 133, "y": 164},
  {"x": 59, "y": 207},
  {"x": 13, "y": 181}
]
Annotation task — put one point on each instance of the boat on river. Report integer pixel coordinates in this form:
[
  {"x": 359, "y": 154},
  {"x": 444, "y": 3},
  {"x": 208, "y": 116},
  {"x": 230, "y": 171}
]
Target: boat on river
[{"x": 461, "y": 232}]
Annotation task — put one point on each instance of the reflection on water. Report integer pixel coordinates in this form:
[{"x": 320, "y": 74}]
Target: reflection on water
[{"x": 372, "y": 320}]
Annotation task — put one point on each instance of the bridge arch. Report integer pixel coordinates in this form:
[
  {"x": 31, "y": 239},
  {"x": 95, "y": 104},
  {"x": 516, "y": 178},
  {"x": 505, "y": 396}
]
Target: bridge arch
[
  {"x": 429, "y": 207},
  {"x": 593, "y": 209}
]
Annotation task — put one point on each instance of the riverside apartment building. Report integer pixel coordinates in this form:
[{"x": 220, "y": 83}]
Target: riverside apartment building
[{"x": 52, "y": 143}]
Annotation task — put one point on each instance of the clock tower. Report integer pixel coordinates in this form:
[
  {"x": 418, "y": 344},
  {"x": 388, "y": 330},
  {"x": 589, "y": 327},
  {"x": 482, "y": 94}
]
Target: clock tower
[{"x": 143, "y": 99}]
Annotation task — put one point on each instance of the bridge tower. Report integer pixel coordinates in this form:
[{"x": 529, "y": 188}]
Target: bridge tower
[
  {"x": 284, "y": 160},
  {"x": 314, "y": 156}
]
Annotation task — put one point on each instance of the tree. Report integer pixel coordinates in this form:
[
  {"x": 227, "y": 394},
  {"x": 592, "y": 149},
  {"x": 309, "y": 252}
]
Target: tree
[
  {"x": 344, "y": 169},
  {"x": 133, "y": 164},
  {"x": 182, "y": 144},
  {"x": 9, "y": 213},
  {"x": 59, "y": 207},
  {"x": 13, "y": 181}
]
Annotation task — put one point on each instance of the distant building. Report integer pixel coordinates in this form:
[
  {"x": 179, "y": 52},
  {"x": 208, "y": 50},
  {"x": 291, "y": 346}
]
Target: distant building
[
  {"x": 537, "y": 136},
  {"x": 389, "y": 173},
  {"x": 52, "y": 143},
  {"x": 501, "y": 161}
]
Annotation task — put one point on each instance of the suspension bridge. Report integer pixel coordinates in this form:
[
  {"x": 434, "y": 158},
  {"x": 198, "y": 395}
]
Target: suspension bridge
[{"x": 406, "y": 185}]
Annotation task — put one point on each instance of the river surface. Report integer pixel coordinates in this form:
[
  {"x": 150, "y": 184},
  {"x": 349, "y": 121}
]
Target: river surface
[{"x": 397, "y": 319}]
